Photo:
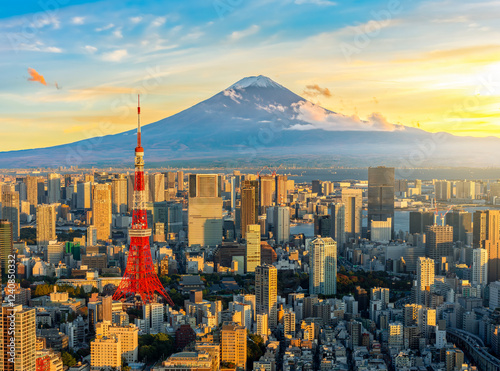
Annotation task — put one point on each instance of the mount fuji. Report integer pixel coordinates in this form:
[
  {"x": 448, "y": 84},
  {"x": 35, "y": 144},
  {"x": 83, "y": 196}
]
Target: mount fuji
[{"x": 256, "y": 121}]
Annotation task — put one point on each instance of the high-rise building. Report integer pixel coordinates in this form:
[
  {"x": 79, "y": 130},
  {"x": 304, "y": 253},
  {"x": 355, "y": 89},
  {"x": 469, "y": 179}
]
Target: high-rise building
[
  {"x": 266, "y": 189},
  {"x": 486, "y": 234},
  {"x": 419, "y": 220},
  {"x": 323, "y": 266},
  {"x": 479, "y": 266},
  {"x": 205, "y": 210},
  {"x": 6, "y": 245},
  {"x": 281, "y": 190},
  {"x": 461, "y": 222},
  {"x": 45, "y": 224},
  {"x": 278, "y": 222},
  {"x": 425, "y": 278},
  {"x": 23, "y": 320},
  {"x": 337, "y": 213},
  {"x": 262, "y": 325},
  {"x": 54, "y": 252},
  {"x": 83, "y": 196},
  {"x": 316, "y": 187},
  {"x": 353, "y": 202},
  {"x": 465, "y": 190},
  {"x": 105, "y": 353},
  {"x": 53, "y": 188},
  {"x": 381, "y": 195},
  {"x": 289, "y": 323},
  {"x": 119, "y": 195},
  {"x": 153, "y": 318},
  {"x": 438, "y": 241},
  {"x": 128, "y": 336},
  {"x": 157, "y": 187},
  {"x": 101, "y": 210},
  {"x": 234, "y": 344},
  {"x": 249, "y": 204},
  {"x": 180, "y": 180},
  {"x": 266, "y": 292},
  {"x": 170, "y": 180},
  {"x": 10, "y": 211},
  {"x": 253, "y": 247},
  {"x": 32, "y": 190},
  {"x": 442, "y": 190}
]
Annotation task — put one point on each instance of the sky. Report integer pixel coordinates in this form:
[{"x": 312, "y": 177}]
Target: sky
[{"x": 71, "y": 69}]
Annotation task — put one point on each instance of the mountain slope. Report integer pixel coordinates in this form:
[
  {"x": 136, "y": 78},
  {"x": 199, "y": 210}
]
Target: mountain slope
[{"x": 258, "y": 120}]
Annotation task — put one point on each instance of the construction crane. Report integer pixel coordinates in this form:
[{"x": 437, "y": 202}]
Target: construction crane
[{"x": 273, "y": 172}]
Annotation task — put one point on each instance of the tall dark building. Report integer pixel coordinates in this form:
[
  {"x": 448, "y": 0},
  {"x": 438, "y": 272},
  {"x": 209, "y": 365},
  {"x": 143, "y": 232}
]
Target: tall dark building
[
  {"x": 249, "y": 204},
  {"x": 438, "y": 242},
  {"x": 316, "y": 187},
  {"x": 6, "y": 245},
  {"x": 461, "y": 222},
  {"x": 419, "y": 220},
  {"x": 323, "y": 225},
  {"x": 381, "y": 195},
  {"x": 280, "y": 193}
]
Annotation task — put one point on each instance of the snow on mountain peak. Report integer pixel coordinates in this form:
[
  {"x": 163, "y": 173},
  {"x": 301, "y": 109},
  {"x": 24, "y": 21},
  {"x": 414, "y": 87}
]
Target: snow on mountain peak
[{"x": 256, "y": 81}]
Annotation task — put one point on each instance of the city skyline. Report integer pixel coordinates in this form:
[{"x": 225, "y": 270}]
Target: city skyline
[{"x": 372, "y": 58}]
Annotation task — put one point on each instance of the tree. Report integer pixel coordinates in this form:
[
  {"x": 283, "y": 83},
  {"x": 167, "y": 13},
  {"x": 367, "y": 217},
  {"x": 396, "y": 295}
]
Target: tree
[{"x": 68, "y": 359}]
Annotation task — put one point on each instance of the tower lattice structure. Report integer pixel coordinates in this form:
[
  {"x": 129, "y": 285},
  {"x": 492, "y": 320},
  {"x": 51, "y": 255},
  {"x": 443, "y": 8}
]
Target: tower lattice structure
[{"x": 140, "y": 277}]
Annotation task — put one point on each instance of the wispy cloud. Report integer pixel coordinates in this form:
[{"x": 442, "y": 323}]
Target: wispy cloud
[
  {"x": 90, "y": 49},
  {"x": 115, "y": 56},
  {"x": 135, "y": 20},
  {"x": 78, "y": 20},
  {"x": 118, "y": 33},
  {"x": 159, "y": 21},
  {"x": 315, "y": 90},
  {"x": 238, "y": 35},
  {"x": 104, "y": 28}
]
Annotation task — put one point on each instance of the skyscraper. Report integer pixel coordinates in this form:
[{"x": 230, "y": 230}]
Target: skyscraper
[
  {"x": 180, "y": 180},
  {"x": 419, "y": 220},
  {"x": 157, "y": 187},
  {"x": 438, "y": 241},
  {"x": 479, "y": 266},
  {"x": 23, "y": 321},
  {"x": 253, "y": 247},
  {"x": 45, "y": 224},
  {"x": 205, "y": 210},
  {"x": 442, "y": 190},
  {"x": 278, "y": 222},
  {"x": 119, "y": 195},
  {"x": 266, "y": 188},
  {"x": 461, "y": 222},
  {"x": 83, "y": 196},
  {"x": 425, "y": 278},
  {"x": 32, "y": 190},
  {"x": 53, "y": 188},
  {"x": 10, "y": 211},
  {"x": 486, "y": 235},
  {"x": 323, "y": 266},
  {"x": 6, "y": 245},
  {"x": 337, "y": 213},
  {"x": 381, "y": 195},
  {"x": 249, "y": 204},
  {"x": 101, "y": 210},
  {"x": 234, "y": 344},
  {"x": 266, "y": 292},
  {"x": 353, "y": 202},
  {"x": 280, "y": 194}
]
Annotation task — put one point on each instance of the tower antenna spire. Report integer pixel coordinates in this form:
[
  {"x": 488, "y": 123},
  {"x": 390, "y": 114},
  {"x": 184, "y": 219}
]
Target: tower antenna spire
[{"x": 138, "y": 120}]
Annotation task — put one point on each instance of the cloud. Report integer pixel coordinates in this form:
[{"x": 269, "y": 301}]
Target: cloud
[
  {"x": 237, "y": 35},
  {"x": 315, "y": 90},
  {"x": 158, "y": 21},
  {"x": 107, "y": 27},
  {"x": 46, "y": 20},
  {"x": 317, "y": 117},
  {"x": 118, "y": 33},
  {"x": 35, "y": 76},
  {"x": 316, "y": 2},
  {"x": 53, "y": 49},
  {"x": 90, "y": 49},
  {"x": 135, "y": 20},
  {"x": 78, "y": 20},
  {"x": 115, "y": 56},
  {"x": 233, "y": 95},
  {"x": 39, "y": 46}
]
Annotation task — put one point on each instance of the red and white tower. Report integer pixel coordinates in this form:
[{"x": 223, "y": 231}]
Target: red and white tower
[{"x": 140, "y": 277}]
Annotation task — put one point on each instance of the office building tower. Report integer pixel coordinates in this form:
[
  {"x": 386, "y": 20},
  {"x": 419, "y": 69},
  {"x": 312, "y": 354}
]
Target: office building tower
[
  {"x": 45, "y": 224},
  {"x": 234, "y": 344},
  {"x": 105, "y": 353},
  {"x": 381, "y": 230},
  {"x": 262, "y": 325},
  {"x": 380, "y": 293},
  {"x": 157, "y": 187},
  {"x": 266, "y": 292},
  {"x": 461, "y": 222},
  {"x": 381, "y": 195},
  {"x": 10, "y": 211},
  {"x": 252, "y": 247},
  {"x": 23, "y": 321},
  {"x": 170, "y": 180},
  {"x": 128, "y": 336},
  {"x": 337, "y": 218},
  {"x": 396, "y": 335},
  {"x": 438, "y": 241},
  {"x": 53, "y": 188},
  {"x": 317, "y": 187},
  {"x": 278, "y": 222},
  {"x": 83, "y": 196},
  {"x": 205, "y": 210},
  {"x": 323, "y": 266},
  {"x": 479, "y": 266},
  {"x": 54, "y": 252},
  {"x": 425, "y": 278},
  {"x": 101, "y": 210},
  {"x": 442, "y": 190},
  {"x": 419, "y": 220},
  {"x": 249, "y": 204},
  {"x": 353, "y": 202},
  {"x": 322, "y": 225},
  {"x": 281, "y": 190},
  {"x": 486, "y": 235},
  {"x": 119, "y": 195},
  {"x": 180, "y": 180},
  {"x": 266, "y": 189},
  {"x": 289, "y": 324},
  {"x": 6, "y": 246},
  {"x": 32, "y": 190},
  {"x": 465, "y": 190},
  {"x": 153, "y": 317}
]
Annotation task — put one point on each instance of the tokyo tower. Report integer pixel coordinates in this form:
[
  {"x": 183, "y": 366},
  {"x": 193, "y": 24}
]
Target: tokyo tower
[{"x": 140, "y": 277}]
